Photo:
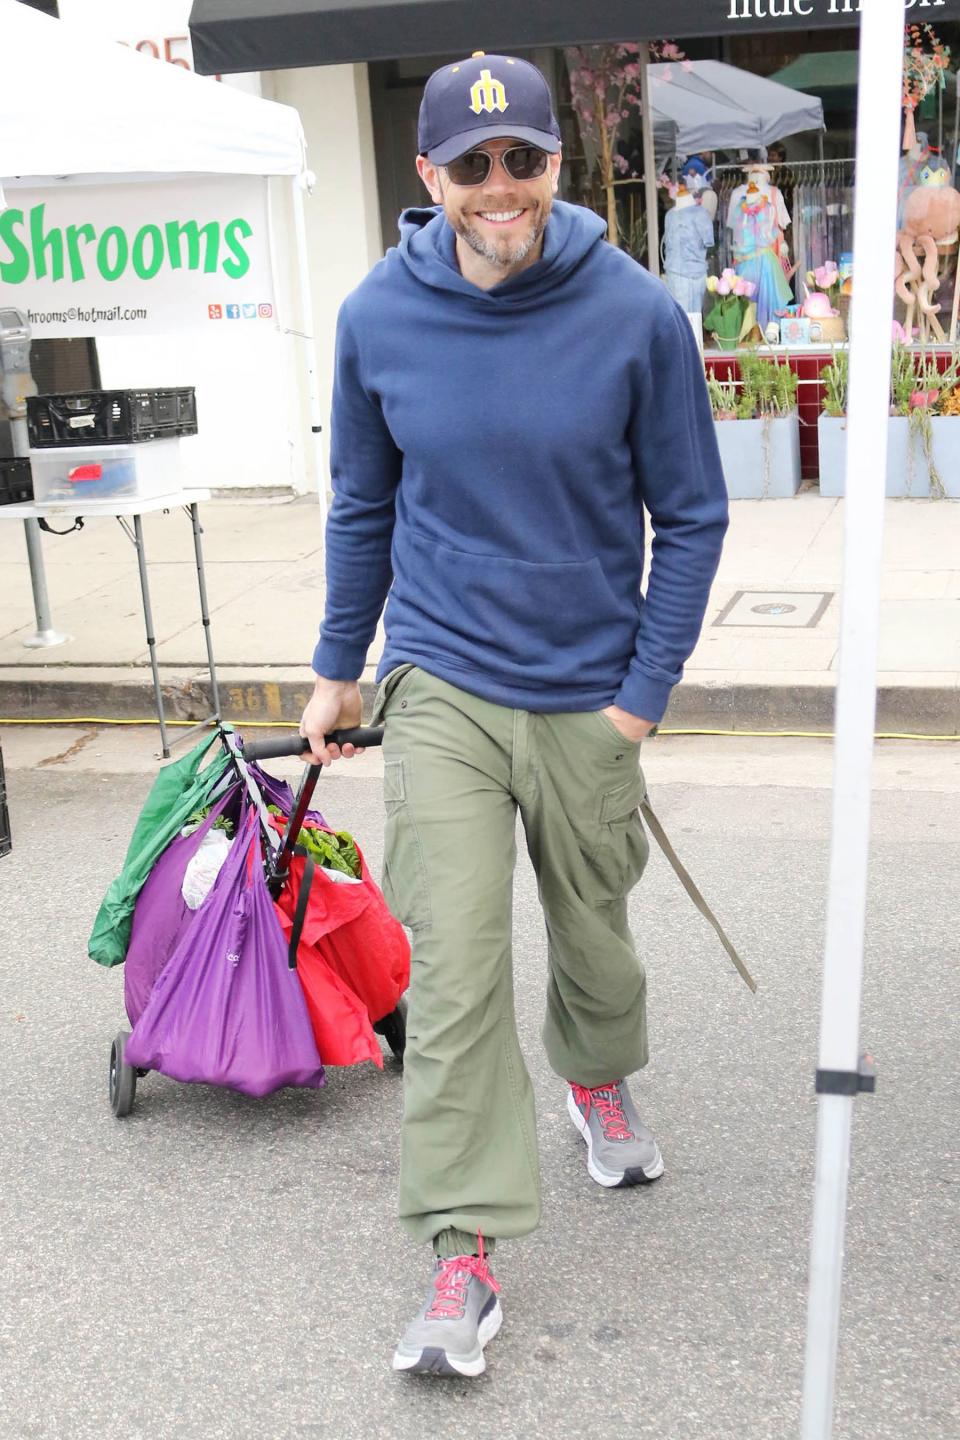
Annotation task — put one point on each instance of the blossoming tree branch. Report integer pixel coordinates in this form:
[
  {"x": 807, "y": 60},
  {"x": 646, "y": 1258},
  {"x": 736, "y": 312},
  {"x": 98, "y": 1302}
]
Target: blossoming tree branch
[{"x": 605, "y": 89}]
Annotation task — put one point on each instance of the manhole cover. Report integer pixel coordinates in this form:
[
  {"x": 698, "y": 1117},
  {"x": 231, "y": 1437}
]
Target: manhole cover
[{"x": 754, "y": 609}]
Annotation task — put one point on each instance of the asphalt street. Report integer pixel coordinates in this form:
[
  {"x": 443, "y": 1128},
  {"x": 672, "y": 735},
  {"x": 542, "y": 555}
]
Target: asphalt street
[{"x": 230, "y": 1269}]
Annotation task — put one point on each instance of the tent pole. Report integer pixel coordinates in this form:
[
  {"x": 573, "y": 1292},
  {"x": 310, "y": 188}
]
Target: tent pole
[
  {"x": 307, "y": 340},
  {"x": 45, "y": 634},
  {"x": 841, "y": 1074},
  {"x": 649, "y": 164}
]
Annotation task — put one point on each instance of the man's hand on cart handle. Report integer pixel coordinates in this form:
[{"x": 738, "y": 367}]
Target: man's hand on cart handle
[{"x": 334, "y": 705}]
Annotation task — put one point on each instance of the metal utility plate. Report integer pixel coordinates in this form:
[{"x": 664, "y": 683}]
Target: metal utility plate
[{"x": 800, "y": 609}]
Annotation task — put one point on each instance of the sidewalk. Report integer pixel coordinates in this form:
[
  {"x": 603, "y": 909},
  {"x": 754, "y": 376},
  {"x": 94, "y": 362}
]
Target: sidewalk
[{"x": 766, "y": 660}]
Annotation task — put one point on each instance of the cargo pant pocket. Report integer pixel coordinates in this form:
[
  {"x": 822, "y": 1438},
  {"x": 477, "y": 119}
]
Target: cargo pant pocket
[
  {"x": 620, "y": 855},
  {"x": 404, "y": 872}
]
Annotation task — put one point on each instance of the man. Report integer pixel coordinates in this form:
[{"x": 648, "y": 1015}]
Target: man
[{"x": 510, "y": 391}]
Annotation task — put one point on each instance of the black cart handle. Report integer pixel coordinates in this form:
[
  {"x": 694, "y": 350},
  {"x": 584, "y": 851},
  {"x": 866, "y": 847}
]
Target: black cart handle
[{"x": 363, "y": 736}]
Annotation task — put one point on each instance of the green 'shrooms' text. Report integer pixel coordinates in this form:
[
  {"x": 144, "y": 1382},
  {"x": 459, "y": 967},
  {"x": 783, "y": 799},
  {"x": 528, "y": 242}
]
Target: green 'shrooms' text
[{"x": 75, "y": 252}]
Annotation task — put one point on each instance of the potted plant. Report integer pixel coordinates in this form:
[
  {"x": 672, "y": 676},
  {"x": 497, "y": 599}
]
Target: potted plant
[
  {"x": 758, "y": 429},
  {"x": 732, "y": 315},
  {"x": 832, "y": 425},
  {"x": 923, "y": 437}
]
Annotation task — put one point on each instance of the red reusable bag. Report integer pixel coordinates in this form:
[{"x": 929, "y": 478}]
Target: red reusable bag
[{"x": 353, "y": 960}]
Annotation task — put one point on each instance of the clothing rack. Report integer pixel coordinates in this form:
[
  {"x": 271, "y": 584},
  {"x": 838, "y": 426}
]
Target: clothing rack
[
  {"x": 819, "y": 196},
  {"x": 741, "y": 166}
]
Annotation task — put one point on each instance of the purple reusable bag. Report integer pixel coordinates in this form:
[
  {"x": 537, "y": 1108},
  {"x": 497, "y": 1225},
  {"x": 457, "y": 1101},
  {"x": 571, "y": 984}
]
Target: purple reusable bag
[
  {"x": 227, "y": 1009},
  {"x": 162, "y": 917},
  {"x": 278, "y": 792}
]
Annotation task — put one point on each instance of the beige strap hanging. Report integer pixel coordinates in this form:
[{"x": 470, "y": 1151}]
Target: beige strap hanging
[{"x": 659, "y": 834}]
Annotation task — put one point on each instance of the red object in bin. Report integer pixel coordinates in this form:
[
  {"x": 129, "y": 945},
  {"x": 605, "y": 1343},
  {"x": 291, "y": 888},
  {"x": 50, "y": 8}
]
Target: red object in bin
[
  {"x": 85, "y": 472},
  {"x": 353, "y": 960}
]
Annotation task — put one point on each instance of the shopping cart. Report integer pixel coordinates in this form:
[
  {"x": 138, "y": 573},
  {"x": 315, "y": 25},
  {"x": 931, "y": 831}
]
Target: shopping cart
[{"x": 277, "y": 851}]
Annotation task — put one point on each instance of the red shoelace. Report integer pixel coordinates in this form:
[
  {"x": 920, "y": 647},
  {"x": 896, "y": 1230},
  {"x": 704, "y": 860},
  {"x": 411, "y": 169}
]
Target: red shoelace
[
  {"x": 605, "y": 1099},
  {"x": 452, "y": 1280}
]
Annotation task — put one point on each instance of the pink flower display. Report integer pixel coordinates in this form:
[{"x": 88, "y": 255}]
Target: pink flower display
[
  {"x": 730, "y": 283},
  {"x": 605, "y": 94},
  {"x": 825, "y": 276}
]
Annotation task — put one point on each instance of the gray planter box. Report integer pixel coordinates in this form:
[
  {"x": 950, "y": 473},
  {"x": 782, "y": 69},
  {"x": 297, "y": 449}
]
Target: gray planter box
[
  {"x": 908, "y": 473},
  {"x": 760, "y": 458}
]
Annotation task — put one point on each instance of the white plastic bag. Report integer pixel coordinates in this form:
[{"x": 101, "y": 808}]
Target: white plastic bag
[{"x": 205, "y": 866}]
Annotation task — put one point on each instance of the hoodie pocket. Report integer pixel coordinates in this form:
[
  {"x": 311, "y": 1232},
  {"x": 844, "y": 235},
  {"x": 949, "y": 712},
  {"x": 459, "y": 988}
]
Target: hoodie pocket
[{"x": 519, "y": 612}]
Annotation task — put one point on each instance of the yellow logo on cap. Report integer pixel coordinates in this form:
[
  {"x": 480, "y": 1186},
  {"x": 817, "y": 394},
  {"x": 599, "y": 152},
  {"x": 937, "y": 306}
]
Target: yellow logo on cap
[{"x": 487, "y": 94}]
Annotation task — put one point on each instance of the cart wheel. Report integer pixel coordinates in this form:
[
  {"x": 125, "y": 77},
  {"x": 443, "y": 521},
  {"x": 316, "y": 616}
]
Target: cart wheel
[
  {"x": 123, "y": 1078},
  {"x": 393, "y": 1028}
]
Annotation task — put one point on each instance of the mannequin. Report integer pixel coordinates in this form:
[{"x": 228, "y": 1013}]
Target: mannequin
[
  {"x": 695, "y": 174},
  {"x": 757, "y": 216},
  {"x": 759, "y": 174},
  {"x": 687, "y": 236}
]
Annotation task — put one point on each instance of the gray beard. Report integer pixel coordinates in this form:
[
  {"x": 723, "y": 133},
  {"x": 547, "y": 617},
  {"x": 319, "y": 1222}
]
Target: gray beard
[{"x": 503, "y": 259}]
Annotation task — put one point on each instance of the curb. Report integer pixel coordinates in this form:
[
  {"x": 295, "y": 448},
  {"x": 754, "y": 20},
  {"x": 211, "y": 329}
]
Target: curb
[{"x": 768, "y": 706}]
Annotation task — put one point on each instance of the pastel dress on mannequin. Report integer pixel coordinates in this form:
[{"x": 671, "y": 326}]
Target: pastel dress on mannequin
[
  {"x": 687, "y": 236},
  {"x": 758, "y": 247}
]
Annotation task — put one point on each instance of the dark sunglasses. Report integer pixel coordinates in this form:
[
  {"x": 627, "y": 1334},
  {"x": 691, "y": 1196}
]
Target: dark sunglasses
[{"x": 521, "y": 162}]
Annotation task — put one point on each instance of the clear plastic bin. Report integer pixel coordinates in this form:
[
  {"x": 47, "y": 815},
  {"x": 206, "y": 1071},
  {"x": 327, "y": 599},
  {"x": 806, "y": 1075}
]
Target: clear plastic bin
[{"x": 105, "y": 472}]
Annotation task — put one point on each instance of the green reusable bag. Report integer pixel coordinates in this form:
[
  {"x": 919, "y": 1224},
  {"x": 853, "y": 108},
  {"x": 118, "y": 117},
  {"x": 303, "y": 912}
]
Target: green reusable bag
[{"x": 179, "y": 789}]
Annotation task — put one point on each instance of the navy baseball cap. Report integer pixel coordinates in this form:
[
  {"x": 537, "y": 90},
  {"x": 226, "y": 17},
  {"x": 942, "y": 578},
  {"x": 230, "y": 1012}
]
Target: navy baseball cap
[{"x": 485, "y": 98}]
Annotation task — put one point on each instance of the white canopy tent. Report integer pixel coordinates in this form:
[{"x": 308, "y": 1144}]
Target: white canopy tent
[
  {"x": 77, "y": 111},
  {"x": 706, "y": 105},
  {"x": 842, "y": 1073}
]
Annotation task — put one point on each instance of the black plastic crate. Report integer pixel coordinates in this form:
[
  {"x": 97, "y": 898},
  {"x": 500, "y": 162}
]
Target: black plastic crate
[
  {"x": 110, "y": 417},
  {"x": 6, "y": 838},
  {"x": 16, "y": 482}
]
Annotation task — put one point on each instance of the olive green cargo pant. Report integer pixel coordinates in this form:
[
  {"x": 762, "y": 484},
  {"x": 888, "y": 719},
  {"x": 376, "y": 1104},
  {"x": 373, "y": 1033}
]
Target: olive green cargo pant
[{"x": 456, "y": 769}]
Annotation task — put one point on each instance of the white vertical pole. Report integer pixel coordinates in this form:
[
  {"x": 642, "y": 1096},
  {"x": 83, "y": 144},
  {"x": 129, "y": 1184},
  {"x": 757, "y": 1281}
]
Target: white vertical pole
[
  {"x": 307, "y": 341},
  {"x": 649, "y": 164},
  {"x": 878, "y": 133}
]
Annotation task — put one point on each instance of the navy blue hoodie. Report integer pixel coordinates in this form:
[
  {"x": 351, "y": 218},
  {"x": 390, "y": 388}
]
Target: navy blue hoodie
[{"x": 492, "y": 454}]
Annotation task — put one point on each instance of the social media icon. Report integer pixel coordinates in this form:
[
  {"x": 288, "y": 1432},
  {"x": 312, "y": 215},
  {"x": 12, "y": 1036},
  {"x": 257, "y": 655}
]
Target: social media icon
[
  {"x": 233, "y": 312},
  {"x": 215, "y": 312},
  {"x": 249, "y": 312},
  {"x": 265, "y": 311}
]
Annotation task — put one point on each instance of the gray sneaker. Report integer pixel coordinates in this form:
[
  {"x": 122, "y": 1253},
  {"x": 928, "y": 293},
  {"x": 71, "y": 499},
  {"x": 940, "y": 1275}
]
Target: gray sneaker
[
  {"x": 620, "y": 1151},
  {"x": 458, "y": 1317}
]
